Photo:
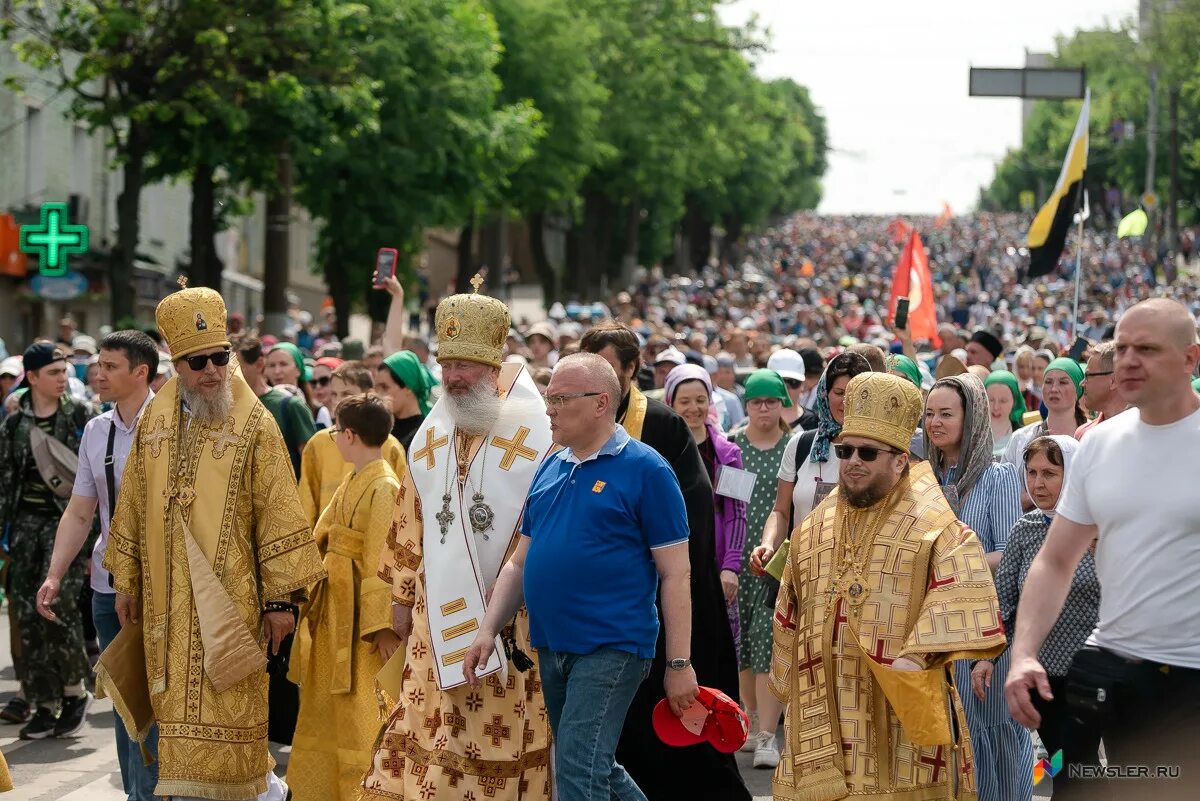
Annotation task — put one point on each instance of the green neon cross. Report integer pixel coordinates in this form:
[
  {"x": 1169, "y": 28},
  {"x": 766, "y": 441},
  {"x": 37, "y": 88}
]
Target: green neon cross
[{"x": 54, "y": 239}]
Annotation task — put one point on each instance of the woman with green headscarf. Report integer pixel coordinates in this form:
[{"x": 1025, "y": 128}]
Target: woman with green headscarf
[
  {"x": 1006, "y": 407},
  {"x": 1062, "y": 387},
  {"x": 406, "y": 382}
]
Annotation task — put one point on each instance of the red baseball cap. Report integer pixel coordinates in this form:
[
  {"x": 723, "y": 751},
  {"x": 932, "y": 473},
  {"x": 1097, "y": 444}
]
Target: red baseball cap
[{"x": 714, "y": 718}]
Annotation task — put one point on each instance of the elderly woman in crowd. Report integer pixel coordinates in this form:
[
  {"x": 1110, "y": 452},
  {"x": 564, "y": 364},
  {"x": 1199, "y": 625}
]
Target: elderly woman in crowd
[
  {"x": 688, "y": 390},
  {"x": 1047, "y": 463},
  {"x": 987, "y": 497}
]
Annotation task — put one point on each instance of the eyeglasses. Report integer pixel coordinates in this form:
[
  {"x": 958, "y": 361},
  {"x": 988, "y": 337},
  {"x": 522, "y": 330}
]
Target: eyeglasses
[
  {"x": 1086, "y": 376},
  {"x": 198, "y": 363},
  {"x": 764, "y": 403},
  {"x": 557, "y": 401},
  {"x": 323, "y": 381},
  {"x": 867, "y": 453}
]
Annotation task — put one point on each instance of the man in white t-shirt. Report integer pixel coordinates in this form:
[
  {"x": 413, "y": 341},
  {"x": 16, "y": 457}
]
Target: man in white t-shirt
[{"x": 1132, "y": 491}]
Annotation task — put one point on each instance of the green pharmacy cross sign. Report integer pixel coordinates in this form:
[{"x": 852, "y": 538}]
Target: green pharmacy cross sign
[{"x": 53, "y": 239}]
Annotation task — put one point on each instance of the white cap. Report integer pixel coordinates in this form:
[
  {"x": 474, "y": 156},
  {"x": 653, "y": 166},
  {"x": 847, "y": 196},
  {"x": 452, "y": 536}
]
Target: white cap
[
  {"x": 84, "y": 343},
  {"x": 672, "y": 355},
  {"x": 12, "y": 367},
  {"x": 788, "y": 363}
]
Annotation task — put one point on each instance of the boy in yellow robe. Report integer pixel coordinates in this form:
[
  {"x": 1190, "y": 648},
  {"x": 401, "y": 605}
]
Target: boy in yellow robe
[
  {"x": 344, "y": 635},
  {"x": 322, "y": 467}
]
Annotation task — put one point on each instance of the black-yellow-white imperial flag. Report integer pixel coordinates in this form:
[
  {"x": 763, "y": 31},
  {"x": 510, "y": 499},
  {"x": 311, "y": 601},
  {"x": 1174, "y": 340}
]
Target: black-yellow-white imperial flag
[{"x": 1048, "y": 233}]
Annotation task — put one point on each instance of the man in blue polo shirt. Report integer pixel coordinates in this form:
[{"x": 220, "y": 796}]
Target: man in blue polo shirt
[{"x": 604, "y": 523}]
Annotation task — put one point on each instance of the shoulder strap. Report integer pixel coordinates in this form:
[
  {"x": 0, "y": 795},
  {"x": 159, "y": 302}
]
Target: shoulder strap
[
  {"x": 803, "y": 448},
  {"x": 110, "y": 478}
]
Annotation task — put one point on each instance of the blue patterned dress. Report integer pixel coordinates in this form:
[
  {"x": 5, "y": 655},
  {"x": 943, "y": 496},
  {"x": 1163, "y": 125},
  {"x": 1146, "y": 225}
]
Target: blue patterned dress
[{"x": 1003, "y": 748}]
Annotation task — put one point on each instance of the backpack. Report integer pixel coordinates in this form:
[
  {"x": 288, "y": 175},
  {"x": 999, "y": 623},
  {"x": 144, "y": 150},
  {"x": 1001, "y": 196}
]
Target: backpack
[{"x": 56, "y": 463}]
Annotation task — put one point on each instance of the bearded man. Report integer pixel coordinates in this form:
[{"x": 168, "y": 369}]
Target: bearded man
[
  {"x": 457, "y": 514},
  {"x": 663, "y": 772},
  {"x": 883, "y": 589},
  {"x": 209, "y": 551}
]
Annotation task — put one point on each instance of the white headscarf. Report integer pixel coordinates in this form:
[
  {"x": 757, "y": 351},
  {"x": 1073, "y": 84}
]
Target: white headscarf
[{"x": 1068, "y": 446}]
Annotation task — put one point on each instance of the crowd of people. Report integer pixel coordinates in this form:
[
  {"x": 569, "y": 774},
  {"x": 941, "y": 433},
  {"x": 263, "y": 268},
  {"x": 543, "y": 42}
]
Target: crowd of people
[{"x": 597, "y": 555}]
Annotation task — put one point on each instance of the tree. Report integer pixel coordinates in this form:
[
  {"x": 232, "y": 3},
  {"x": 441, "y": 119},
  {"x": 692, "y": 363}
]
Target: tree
[
  {"x": 442, "y": 144},
  {"x": 546, "y": 61}
]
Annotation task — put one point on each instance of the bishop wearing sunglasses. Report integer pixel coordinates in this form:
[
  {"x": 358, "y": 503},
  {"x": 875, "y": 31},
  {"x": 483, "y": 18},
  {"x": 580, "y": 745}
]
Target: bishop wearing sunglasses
[{"x": 883, "y": 589}]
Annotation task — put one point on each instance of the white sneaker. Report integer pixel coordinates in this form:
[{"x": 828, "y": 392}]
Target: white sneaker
[
  {"x": 766, "y": 754},
  {"x": 752, "y": 741}
]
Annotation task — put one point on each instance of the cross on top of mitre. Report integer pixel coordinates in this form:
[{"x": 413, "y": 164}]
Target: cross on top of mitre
[{"x": 477, "y": 282}]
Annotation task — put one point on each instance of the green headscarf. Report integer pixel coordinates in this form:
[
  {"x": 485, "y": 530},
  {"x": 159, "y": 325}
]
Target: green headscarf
[
  {"x": 1072, "y": 369},
  {"x": 408, "y": 370},
  {"x": 1009, "y": 380},
  {"x": 1196, "y": 384},
  {"x": 766, "y": 384},
  {"x": 906, "y": 367},
  {"x": 297, "y": 357}
]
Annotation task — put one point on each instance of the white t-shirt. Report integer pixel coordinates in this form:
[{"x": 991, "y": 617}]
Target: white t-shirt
[
  {"x": 1137, "y": 483},
  {"x": 807, "y": 478}
]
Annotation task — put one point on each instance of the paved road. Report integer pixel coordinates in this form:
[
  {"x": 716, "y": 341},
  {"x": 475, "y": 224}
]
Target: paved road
[{"x": 84, "y": 768}]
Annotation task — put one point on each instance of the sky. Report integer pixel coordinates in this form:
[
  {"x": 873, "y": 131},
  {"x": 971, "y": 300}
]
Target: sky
[{"x": 891, "y": 79}]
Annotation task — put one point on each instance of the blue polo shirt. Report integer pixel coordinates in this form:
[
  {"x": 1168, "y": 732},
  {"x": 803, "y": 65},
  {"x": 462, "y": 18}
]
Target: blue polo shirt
[{"x": 590, "y": 579}]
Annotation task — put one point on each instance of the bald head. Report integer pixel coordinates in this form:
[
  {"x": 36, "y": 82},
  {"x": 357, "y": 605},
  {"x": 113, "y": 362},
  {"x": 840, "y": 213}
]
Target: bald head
[
  {"x": 1169, "y": 317},
  {"x": 589, "y": 372}
]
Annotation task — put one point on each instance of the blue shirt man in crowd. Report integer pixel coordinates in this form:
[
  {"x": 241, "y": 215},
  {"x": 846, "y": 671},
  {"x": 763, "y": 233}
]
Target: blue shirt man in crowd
[{"x": 604, "y": 523}]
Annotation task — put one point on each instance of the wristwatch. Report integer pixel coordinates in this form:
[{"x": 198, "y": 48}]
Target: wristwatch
[{"x": 679, "y": 664}]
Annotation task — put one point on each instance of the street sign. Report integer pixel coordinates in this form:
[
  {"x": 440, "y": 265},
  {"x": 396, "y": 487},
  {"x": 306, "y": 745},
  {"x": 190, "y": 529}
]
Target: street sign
[
  {"x": 1051, "y": 83},
  {"x": 53, "y": 239},
  {"x": 67, "y": 286}
]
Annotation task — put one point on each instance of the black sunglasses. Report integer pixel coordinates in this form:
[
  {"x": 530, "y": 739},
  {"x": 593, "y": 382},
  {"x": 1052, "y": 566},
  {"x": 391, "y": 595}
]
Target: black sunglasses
[
  {"x": 198, "y": 363},
  {"x": 867, "y": 453},
  {"x": 793, "y": 383},
  {"x": 322, "y": 381}
]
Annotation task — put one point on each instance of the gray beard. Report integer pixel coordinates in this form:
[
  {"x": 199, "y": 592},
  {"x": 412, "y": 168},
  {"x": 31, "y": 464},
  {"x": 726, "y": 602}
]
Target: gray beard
[
  {"x": 212, "y": 411},
  {"x": 477, "y": 411},
  {"x": 481, "y": 410}
]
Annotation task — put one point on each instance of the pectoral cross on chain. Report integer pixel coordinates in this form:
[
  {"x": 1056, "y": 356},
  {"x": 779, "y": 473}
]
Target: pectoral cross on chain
[{"x": 444, "y": 517}]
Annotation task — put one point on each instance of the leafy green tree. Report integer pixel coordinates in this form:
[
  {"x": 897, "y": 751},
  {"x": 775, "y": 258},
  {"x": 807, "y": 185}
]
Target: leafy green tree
[{"x": 441, "y": 145}]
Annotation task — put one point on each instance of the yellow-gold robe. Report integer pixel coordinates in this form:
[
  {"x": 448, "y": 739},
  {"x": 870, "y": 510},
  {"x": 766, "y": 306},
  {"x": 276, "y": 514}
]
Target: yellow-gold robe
[
  {"x": 322, "y": 469},
  {"x": 854, "y": 726},
  {"x": 332, "y": 659},
  {"x": 462, "y": 743},
  {"x": 222, "y": 495}
]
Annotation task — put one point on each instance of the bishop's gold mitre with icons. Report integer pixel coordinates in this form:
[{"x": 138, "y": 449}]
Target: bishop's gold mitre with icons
[
  {"x": 191, "y": 320},
  {"x": 472, "y": 327},
  {"x": 882, "y": 407}
]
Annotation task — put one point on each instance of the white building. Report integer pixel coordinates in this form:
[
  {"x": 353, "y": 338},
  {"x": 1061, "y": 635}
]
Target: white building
[{"x": 45, "y": 157}]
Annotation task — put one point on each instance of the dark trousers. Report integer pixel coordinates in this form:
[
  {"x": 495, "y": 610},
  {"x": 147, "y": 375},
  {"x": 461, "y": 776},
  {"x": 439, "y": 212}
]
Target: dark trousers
[
  {"x": 1059, "y": 731},
  {"x": 1149, "y": 717}
]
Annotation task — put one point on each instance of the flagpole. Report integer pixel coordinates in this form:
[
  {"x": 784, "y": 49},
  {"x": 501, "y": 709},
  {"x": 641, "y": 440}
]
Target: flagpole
[{"x": 1078, "y": 277}]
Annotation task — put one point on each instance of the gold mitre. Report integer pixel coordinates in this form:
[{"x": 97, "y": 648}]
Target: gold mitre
[
  {"x": 882, "y": 407},
  {"x": 472, "y": 327},
  {"x": 191, "y": 320}
]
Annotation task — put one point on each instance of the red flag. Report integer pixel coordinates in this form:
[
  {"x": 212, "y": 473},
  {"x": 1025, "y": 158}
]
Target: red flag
[{"x": 913, "y": 280}]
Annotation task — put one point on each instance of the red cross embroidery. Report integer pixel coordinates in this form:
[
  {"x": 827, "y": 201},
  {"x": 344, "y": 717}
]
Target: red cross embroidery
[
  {"x": 935, "y": 582},
  {"x": 810, "y": 663},
  {"x": 878, "y": 655},
  {"x": 937, "y": 762},
  {"x": 998, "y": 629},
  {"x": 839, "y": 618}
]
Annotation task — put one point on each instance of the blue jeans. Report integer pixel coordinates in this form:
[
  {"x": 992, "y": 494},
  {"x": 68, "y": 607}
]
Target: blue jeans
[
  {"x": 137, "y": 779},
  {"x": 587, "y": 697}
]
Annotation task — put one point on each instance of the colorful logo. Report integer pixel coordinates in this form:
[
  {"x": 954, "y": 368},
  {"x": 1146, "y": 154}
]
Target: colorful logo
[{"x": 1047, "y": 767}]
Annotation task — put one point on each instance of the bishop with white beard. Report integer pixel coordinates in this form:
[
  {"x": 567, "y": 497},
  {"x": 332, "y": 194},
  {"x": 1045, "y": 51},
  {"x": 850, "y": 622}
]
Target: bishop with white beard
[{"x": 457, "y": 518}]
